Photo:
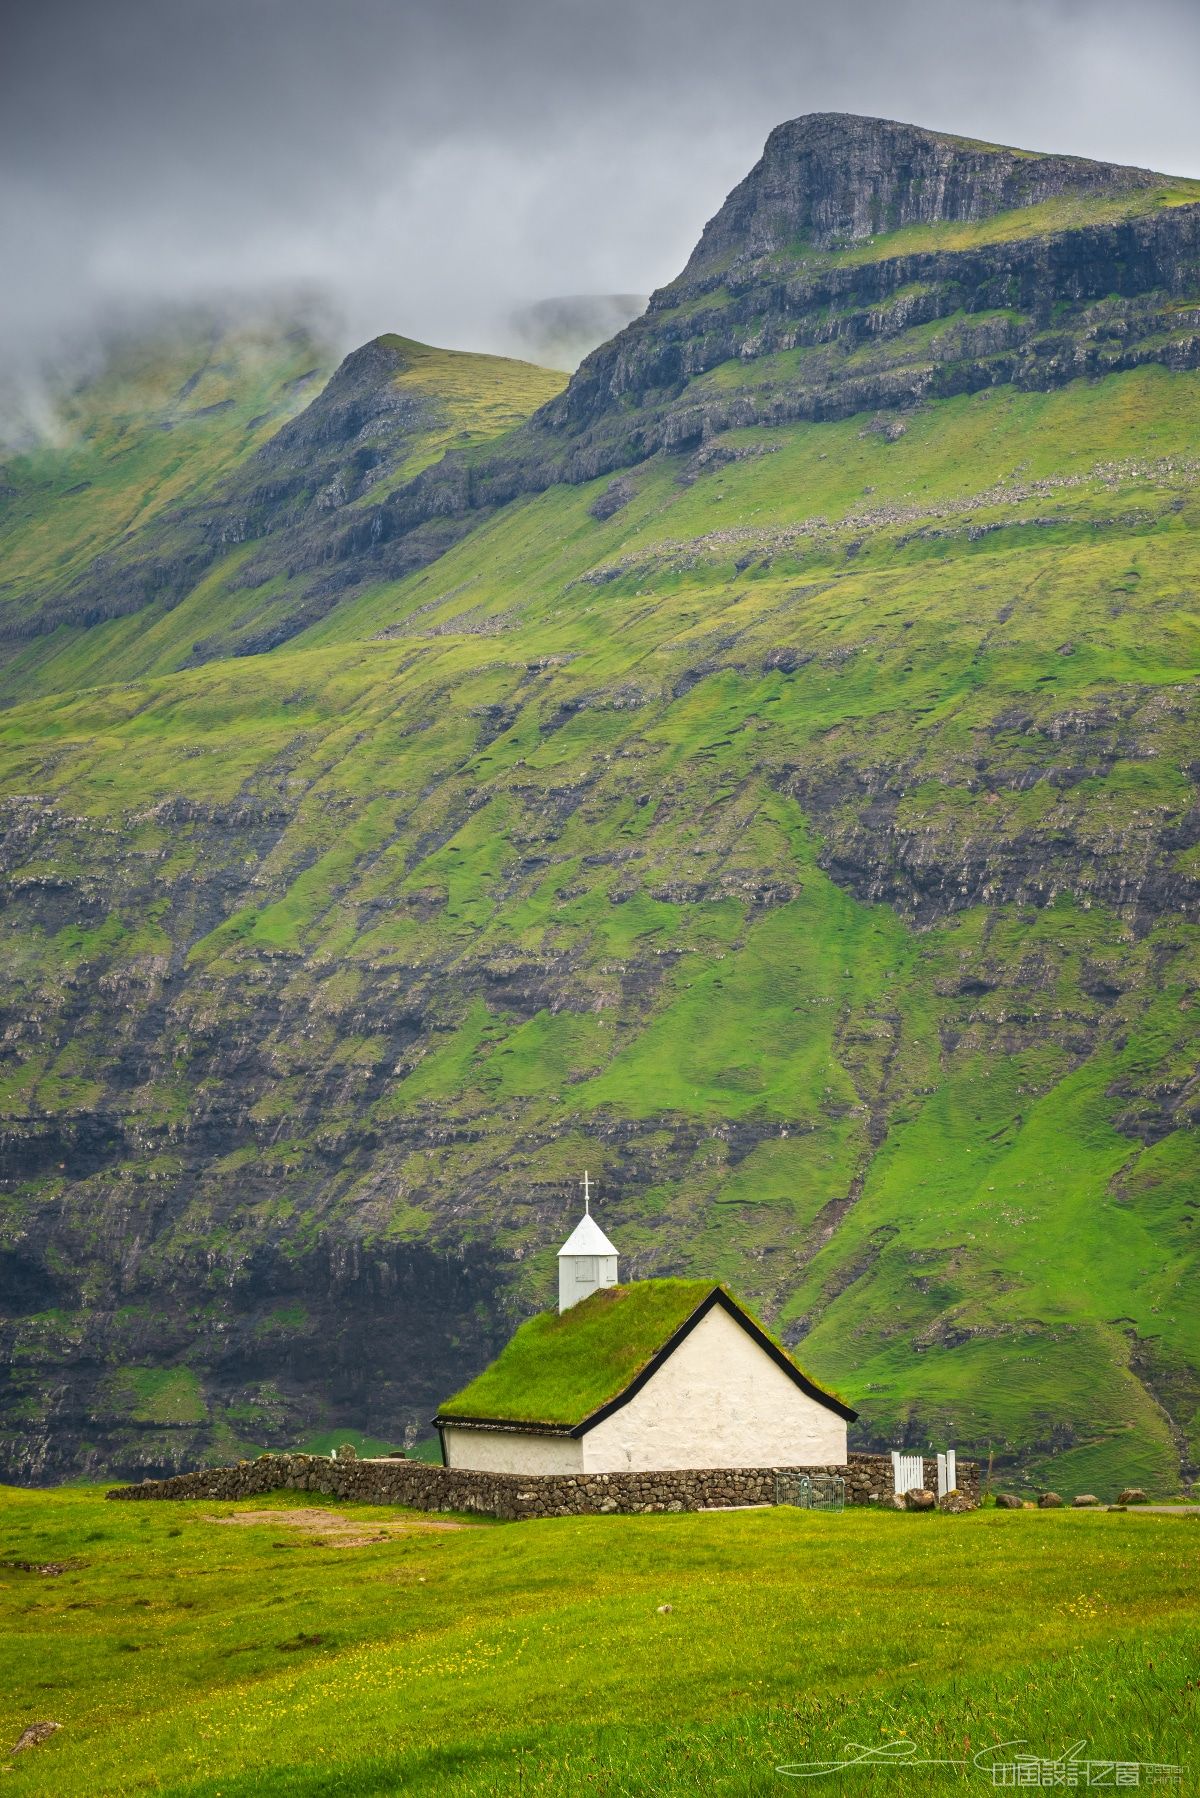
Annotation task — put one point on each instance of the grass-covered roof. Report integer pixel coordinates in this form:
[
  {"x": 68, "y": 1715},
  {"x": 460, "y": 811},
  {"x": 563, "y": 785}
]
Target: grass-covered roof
[{"x": 559, "y": 1368}]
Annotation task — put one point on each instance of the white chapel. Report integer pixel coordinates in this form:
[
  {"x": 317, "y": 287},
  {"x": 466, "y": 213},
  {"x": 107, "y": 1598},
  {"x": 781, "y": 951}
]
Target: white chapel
[{"x": 642, "y": 1377}]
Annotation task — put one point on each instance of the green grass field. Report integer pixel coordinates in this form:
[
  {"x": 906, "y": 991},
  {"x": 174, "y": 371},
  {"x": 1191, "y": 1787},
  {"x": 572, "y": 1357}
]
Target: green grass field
[{"x": 183, "y": 1654}]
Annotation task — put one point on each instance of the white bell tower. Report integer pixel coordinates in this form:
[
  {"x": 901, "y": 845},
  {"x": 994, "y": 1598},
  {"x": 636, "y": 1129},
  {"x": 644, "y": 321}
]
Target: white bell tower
[{"x": 587, "y": 1259}]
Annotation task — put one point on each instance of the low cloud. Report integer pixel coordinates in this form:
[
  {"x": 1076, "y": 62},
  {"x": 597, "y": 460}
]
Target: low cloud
[{"x": 434, "y": 168}]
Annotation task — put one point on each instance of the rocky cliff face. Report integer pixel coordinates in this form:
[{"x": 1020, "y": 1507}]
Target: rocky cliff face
[
  {"x": 888, "y": 338},
  {"x": 832, "y": 179}
]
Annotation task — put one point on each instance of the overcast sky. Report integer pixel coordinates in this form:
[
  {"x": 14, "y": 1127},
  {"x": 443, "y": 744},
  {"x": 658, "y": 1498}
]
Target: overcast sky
[{"x": 433, "y": 164}]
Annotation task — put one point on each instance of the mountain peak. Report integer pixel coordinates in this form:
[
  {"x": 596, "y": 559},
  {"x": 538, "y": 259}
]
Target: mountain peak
[{"x": 832, "y": 178}]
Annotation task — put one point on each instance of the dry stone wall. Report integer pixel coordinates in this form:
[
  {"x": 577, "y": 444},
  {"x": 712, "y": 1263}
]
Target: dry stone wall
[{"x": 512, "y": 1496}]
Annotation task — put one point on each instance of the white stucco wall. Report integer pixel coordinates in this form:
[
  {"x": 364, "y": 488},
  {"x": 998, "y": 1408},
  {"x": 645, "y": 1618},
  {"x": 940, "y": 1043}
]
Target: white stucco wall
[
  {"x": 718, "y": 1401},
  {"x": 510, "y": 1451}
]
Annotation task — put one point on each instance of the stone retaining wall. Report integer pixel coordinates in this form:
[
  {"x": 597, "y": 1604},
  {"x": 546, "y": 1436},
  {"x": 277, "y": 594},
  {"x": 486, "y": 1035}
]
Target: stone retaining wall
[{"x": 513, "y": 1496}]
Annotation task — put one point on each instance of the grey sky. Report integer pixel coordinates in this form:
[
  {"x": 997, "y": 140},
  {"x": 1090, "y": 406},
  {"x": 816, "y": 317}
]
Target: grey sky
[{"x": 434, "y": 164}]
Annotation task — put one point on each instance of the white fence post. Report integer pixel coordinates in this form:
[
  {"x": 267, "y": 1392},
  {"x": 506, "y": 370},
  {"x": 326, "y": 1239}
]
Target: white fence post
[{"x": 947, "y": 1473}]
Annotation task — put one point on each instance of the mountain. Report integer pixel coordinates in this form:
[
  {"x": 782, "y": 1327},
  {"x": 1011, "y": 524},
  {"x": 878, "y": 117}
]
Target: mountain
[
  {"x": 862, "y": 266},
  {"x": 761, "y": 769},
  {"x": 267, "y": 477}
]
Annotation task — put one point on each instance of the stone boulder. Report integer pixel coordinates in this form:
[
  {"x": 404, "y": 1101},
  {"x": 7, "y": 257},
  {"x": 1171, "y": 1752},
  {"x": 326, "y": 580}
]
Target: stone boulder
[
  {"x": 919, "y": 1498},
  {"x": 956, "y": 1503},
  {"x": 1007, "y": 1501},
  {"x": 1132, "y": 1495},
  {"x": 1050, "y": 1501},
  {"x": 33, "y": 1735},
  {"x": 1084, "y": 1501},
  {"x": 618, "y": 493}
]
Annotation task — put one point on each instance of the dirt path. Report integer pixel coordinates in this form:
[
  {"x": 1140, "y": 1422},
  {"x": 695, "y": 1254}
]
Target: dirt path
[{"x": 344, "y": 1532}]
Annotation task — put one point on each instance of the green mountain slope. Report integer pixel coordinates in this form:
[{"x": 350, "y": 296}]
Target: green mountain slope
[
  {"x": 164, "y": 419},
  {"x": 799, "y": 828},
  {"x": 136, "y": 553}
]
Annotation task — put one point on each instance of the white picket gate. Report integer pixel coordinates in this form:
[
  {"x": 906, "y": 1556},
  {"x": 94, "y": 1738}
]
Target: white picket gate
[
  {"x": 947, "y": 1473},
  {"x": 907, "y": 1471}
]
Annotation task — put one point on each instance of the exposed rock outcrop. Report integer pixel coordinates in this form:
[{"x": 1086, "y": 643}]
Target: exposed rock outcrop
[{"x": 831, "y": 178}]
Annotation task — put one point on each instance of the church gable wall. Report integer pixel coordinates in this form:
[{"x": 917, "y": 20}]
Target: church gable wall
[{"x": 718, "y": 1401}]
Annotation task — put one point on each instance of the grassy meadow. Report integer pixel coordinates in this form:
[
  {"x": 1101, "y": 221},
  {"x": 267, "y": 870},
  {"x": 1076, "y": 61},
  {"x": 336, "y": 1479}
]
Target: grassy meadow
[{"x": 186, "y": 1648}]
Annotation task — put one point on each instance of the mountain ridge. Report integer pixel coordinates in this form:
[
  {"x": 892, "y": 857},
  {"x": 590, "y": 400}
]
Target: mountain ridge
[{"x": 1088, "y": 298}]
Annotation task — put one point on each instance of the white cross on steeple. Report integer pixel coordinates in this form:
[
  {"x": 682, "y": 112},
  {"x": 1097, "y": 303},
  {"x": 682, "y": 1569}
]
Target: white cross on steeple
[{"x": 587, "y": 1195}]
